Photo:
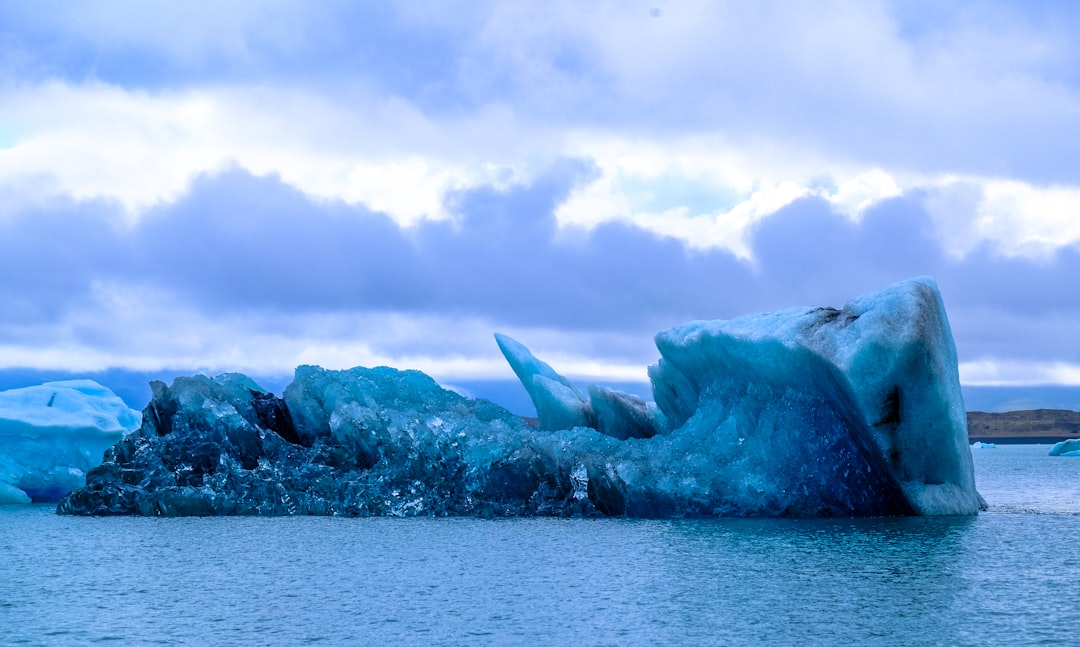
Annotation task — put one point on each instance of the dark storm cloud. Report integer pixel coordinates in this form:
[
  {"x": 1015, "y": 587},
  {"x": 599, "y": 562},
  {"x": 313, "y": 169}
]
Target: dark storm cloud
[
  {"x": 50, "y": 256},
  {"x": 242, "y": 243},
  {"x": 239, "y": 242}
]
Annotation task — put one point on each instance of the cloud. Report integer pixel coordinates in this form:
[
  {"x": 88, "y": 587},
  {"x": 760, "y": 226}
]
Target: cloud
[
  {"x": 856, "y": 79},
  {"x": 249, "y": 273},
  {"x": 95, "y": 140},
  {"x": 238, "y": 185},
  {"x": 1020, "y": 373},
  {"x": 99, "y": 142},
  {"x": 94, "y": 38}
]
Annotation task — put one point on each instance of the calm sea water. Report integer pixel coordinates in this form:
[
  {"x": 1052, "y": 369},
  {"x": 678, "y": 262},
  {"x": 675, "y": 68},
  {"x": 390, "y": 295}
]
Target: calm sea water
[{"x": 1009, "y": 576}]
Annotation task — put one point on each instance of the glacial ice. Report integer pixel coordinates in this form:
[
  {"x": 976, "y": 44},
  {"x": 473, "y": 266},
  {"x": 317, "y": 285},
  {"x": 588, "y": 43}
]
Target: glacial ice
[
  {"x": 896, "y": 374},
  {"x": 51, "y": 434},
  {"x": 1069, "y": 447},
  {"x": 808, "y": 411},
  {"x": 559, "y": 403}
]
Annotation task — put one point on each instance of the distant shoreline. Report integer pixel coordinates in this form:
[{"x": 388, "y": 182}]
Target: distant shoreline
[
  {"x": 1019, "y": 440},
  {"x": 1036, "y": 426}
]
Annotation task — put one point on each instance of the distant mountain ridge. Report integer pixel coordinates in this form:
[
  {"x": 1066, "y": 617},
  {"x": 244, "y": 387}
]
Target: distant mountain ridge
[{"x": 1030, "y": 426}]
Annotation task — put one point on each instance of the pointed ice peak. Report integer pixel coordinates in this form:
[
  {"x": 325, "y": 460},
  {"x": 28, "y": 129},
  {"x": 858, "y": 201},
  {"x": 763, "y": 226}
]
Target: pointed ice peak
[
  {"x": 526, "y": 366},
  {"x": 559, "y": 403}
]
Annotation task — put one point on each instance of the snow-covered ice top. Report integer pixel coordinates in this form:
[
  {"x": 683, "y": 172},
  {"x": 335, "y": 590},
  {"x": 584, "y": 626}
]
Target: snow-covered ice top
[{"x": 53, "y": 433}]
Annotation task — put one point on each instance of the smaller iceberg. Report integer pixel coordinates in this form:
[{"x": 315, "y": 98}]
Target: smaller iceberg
[
  {"x": 978, "y": 444},
  {"x": 1066, "y": 448},
  {"x": 53, "y": 433}
]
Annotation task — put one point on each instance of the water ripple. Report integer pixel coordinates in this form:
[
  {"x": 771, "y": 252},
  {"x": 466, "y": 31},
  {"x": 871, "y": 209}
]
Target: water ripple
[{"x": 995, "y": 579}]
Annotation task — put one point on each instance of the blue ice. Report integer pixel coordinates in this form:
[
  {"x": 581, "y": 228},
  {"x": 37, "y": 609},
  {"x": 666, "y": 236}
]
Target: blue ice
[
  {"x": 1069, "y": 447},
  {"x": 53, "y": 433},
  {"x": 803, "y": 412}
]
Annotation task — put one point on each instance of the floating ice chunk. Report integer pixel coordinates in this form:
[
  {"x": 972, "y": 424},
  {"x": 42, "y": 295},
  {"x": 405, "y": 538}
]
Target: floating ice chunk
[
  {"x": 358, "y": 442},
  {"x": 51, "y": 434},
  {"x": 978, "y": 444},
  {"x": 526, "y": 365},
  {"x": 12, "y": 494},
  {"x": 1069, "y": 447}
]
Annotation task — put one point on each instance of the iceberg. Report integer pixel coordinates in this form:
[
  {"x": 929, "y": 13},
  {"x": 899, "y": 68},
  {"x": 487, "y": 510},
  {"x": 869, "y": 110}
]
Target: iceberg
[
  {"x": 1069, "y": 447},
  {"x": 53, "y": 433},
  {"x": 887, "y": 361},
  {"x": 804, "y": 412}
]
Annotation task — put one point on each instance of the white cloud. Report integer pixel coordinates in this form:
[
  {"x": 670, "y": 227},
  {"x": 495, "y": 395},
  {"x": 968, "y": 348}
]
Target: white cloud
[
  {"x": 861, "y": 191},
  {"x": 1025, "y": 220},
  {"x": 96, "y": 141},
  {"x": 140, "y": 328},
  {"x": 995, "y": 372},
  {"x": 701, "y": 121},
  {"x": 1016, "y": 219}
]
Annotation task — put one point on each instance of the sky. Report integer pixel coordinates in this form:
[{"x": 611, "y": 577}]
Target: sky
[{"x": 234, "y": 186}]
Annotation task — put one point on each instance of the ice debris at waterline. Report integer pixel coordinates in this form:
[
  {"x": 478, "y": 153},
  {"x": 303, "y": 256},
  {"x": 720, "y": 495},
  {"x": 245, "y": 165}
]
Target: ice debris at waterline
[
  {"x": 808, "y": 411},
  {"x": 53, "y": 433},
  {"x": 1069, "y": 447}
]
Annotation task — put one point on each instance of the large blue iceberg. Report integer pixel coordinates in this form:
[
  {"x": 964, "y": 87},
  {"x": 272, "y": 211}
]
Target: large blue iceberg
[
  {"x": 805, "y": 412},
  {"x": 52, "y": 434}
]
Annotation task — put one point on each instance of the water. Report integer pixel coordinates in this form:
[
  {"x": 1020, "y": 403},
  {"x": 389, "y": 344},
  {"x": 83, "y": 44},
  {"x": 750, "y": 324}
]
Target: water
[{"x": 1009, "y": 576}]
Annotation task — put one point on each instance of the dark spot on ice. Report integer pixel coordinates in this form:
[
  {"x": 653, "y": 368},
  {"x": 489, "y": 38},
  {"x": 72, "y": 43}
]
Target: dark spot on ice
[
  {"x": 826, "y": 315},
  {"x": 162, "y": 408},
  {"x": 890, "y": 409},
  {"x": 274, "y": 415},
  {"x": 605, "y": 494}
]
